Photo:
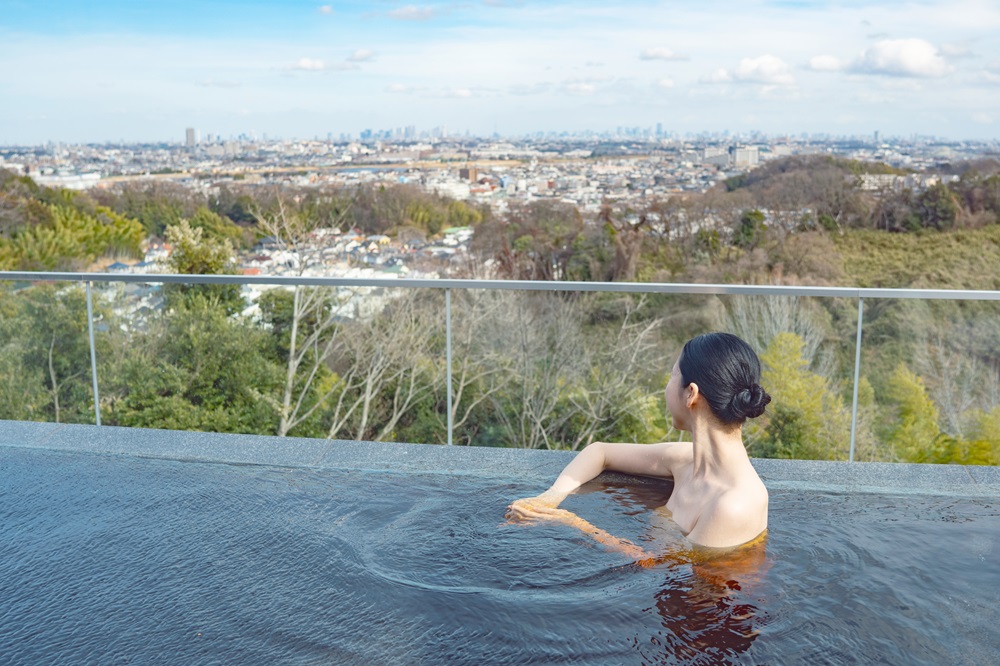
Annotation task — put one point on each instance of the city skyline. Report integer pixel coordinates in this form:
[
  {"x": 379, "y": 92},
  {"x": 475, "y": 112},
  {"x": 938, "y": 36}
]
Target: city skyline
[{"x": 113, "y": 71}]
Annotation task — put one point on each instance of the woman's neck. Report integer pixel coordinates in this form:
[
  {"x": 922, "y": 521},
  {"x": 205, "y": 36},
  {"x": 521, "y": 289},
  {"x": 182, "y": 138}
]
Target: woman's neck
[{"x": 719, "y": 454}]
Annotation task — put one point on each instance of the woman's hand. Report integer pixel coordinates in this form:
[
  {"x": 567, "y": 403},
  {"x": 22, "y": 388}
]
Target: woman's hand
[{"x": 541, "y": 507}]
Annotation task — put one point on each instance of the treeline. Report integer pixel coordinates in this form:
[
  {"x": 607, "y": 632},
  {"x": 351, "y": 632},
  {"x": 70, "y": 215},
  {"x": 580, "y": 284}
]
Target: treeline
[
  {"x": 47, "y": 229},
  {"x": 541, "y": 370},
  {"x": 54, "y": 229}
]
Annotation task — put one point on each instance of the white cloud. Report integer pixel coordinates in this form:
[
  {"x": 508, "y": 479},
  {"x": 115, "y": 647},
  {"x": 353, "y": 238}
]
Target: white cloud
[
  {"x": 764, "y": 69},
  {"x": 532, "y": 89},
  {"x": 720, "y": 75},
  {"x": 309, "y": 64},
  {"x": 212, "y": 83},
  {"x": 982, "y": 118},
  {"x": 325, "y": 9},
  {"x": 665, "y": 84},
  {"x": 401, "y": 89},
  {"x": 956, "y": 51},
  {"x": 825, "y": 63},
  {"x": 361, "y": 55},
  {"x": 661, "y": 53},
  {"x": 580, "y": 88},
  {"x": 991, "y": 74},
  {"x": 902, "y": 57},
  {"x": 454, "y": 93},
  {"x": 412, "y": 13}
]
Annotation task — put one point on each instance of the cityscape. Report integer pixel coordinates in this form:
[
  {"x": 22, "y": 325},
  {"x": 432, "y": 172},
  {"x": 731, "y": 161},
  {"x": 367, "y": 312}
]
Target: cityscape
[{"x": 585, "y": 170}]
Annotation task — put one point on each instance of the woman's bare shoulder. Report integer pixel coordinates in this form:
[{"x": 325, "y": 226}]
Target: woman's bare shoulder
[{"x": 733, "y": 518}]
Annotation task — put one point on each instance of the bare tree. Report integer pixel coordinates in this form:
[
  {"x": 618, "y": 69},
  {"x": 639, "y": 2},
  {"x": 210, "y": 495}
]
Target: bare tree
[
  {"x": 757, "y": 319},
  {"x": 479, "y": 368},
  {"x": 383, "y": 368},
  {"x": 611, "y": 384},
  {"x": 309, "y": 347},
  {"x": 560, "y": 389},
  {"x": 952, "y": 375},
  {"x": 539, "y": 333}
]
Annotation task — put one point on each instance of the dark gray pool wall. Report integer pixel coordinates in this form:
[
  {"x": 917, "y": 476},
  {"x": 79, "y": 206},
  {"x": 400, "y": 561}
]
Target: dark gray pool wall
[{"x": 540, "y": 466}]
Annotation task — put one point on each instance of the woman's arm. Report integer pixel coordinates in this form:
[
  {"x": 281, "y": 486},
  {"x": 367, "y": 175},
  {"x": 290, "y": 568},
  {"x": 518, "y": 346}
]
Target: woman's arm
[
  {"x": 644, "y": 459},
  {"x": 596, "y": 533}
]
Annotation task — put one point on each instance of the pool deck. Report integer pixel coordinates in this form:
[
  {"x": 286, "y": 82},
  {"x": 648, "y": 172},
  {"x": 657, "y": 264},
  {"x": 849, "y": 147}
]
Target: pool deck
[{"x": 530, "y": 465}]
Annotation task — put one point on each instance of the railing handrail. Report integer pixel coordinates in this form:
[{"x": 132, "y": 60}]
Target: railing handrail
[{"x": 517, "y": 285}]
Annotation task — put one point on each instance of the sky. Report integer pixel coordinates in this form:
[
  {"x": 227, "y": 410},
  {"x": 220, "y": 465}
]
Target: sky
[{"x": 144, "y": 70}]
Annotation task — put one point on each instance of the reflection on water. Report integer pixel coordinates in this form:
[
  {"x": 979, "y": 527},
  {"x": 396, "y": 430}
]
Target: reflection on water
[
  {"x": 704, "y": 601},
  {"x": 706, "y": 612}
]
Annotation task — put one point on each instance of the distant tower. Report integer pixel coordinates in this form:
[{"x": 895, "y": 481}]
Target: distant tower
[
  {"x": 876, "y": 136},
  {"x": 190, "y": 138}
]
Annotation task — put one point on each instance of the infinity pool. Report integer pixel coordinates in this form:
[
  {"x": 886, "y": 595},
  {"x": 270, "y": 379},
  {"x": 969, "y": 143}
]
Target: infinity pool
[{"x": 108, "y": 559}]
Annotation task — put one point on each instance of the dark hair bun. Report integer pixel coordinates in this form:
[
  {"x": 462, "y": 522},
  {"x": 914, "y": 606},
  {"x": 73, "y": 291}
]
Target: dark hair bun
[
  {"x": 727, "y": 372},
  {"x": 749, "y": 403}
]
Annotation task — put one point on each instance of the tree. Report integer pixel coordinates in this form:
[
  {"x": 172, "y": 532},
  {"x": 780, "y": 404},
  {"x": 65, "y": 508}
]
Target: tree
[
  {"x": 983, "y": 445},
  {"x": 537, "y": 240},
  {"x": 560, "y": 389},
  {"x": 308, "y": 325},
  {"x": 195, "y": 369},
  {"x": 627, "y": 231},
  {"x": 382, "y": 368},
  {"x": 477, "y": 365},
  {"x": 68, "y": 235},
  {"x": 936, "y": 207},
  {"x": 758, "y": 319},
  {"x": 216, "y": 227},
  {"x": 22, "y": 393},
  {"x": 915, "y": 427},
  {"x": 807, "y": 419},
  {"x": 46, "y": 337},
  {"x": 193, "y": 254},
  {"x": 751, "y": 229}
]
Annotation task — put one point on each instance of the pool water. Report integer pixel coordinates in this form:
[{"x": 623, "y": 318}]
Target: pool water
[{"x": 118, "y": 559}]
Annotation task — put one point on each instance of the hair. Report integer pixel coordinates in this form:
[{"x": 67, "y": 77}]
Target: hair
[{"x": 727, "y": 372}]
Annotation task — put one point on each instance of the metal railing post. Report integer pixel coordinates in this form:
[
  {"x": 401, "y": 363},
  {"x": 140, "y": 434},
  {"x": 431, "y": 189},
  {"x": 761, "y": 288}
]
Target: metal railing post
[
  {"x": 447, "y": 334},
  {"x": 93, "y": 356},
  {"x": 857, "y": 375}
]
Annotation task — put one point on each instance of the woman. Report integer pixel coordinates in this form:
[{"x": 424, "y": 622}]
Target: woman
[{"x": 718, "y": 500}]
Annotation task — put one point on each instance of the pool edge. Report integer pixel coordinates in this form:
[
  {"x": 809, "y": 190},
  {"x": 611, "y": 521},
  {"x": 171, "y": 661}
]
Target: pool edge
[{"x": 523, "y": 464}]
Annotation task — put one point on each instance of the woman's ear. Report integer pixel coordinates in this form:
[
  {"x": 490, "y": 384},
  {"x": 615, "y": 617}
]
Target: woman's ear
[{"x": 691, "y": 395}]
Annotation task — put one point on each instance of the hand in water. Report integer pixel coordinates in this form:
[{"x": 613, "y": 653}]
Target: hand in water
[{"x": 532, "y": 508}]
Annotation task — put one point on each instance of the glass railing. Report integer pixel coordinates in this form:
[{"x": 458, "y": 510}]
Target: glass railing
[{"x": 855, "y": 374}]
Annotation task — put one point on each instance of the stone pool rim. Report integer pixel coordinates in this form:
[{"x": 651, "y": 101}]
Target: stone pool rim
[{"x": 502, "y": 464}]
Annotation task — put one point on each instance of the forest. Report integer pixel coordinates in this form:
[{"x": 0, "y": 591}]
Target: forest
[{"x": 536, "y": 370}]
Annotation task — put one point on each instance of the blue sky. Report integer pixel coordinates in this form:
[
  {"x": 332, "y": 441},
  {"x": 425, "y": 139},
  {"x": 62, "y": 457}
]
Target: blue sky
[{"x": 141, "y": 70}]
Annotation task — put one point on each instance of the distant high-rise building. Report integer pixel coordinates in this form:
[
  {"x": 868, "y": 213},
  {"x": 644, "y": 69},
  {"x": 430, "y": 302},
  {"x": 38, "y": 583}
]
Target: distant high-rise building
[
  {"x": 659, "y": 130},
  {"x": 190, "y": 137},
  {"x": 718, "y": 156},
  {"x": 876, "y": 136},
  {"x": 745, "y": 156}
]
